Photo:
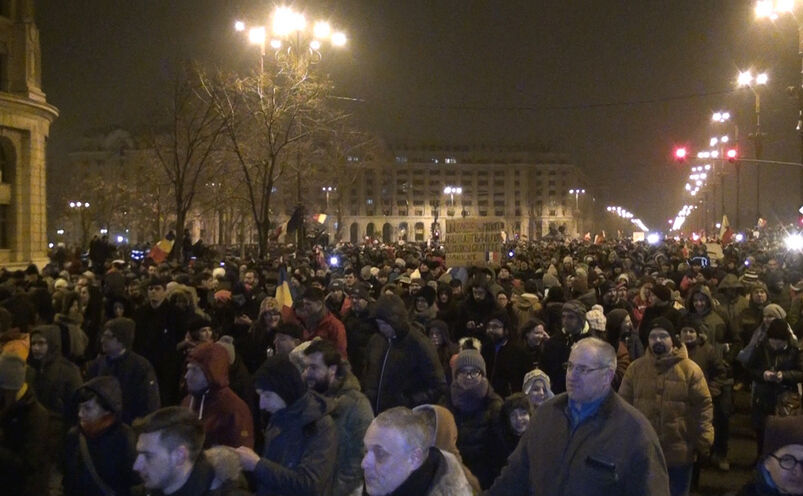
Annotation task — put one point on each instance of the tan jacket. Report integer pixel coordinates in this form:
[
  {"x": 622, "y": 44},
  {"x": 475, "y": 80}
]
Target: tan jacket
[{"x": 672, "y": 393}]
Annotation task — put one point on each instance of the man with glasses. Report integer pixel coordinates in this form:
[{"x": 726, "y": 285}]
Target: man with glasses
[
  {"x": 670, "y": 390},
  {"x": 588, "y": 440},
  {"x": 780, "y": 470}
]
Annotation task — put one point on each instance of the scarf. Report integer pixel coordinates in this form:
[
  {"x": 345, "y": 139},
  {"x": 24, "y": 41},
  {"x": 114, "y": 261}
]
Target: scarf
[{"x": 469, "y": 399}]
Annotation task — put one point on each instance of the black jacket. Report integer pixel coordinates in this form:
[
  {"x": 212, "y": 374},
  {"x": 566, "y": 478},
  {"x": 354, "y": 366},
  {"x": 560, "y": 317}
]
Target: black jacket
[
  {"x": 359, "y": 329},
  {"x": 113, "y": 453},
  {"x": 507, "y": 366},
  {"x": 137, "y": 382},
  {"x": 54, "y": 378},
  {"x": 25, "y": 446},
  {"x": 300, "y": 450},
  {"x": 200, "y": 479}
]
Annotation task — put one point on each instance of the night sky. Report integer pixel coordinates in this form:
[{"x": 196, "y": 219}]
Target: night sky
[{"x": 615, "y": 84}]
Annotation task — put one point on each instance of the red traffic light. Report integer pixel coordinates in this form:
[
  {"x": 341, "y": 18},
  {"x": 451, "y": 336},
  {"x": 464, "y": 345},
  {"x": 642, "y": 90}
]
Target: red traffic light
[
  {"x": 732, "y": 154},
  {"x": 680, "y": 153}
]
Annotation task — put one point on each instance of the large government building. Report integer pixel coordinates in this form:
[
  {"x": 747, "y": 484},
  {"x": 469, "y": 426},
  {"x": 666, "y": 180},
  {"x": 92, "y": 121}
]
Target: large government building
[
  {"x": 409, "y": 196},
  {"x": 25, "y": 118}
]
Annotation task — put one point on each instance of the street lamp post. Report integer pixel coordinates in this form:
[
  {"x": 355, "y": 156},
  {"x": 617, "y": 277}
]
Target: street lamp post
[
  {"x": 577, "y": 192},
  {"x": 81, "y": 207},
  {"x": 772, "y": 9},
  {"x": 451, "y": 191},
  {"x": 747, "y": 80},
  {"x": 328, "y": 190}
]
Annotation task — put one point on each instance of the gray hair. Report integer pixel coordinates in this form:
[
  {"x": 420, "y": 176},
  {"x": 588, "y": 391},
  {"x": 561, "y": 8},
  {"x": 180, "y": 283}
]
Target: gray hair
[
  {"x": 602, "y": 349},
  {"x": 413, "y": 427}
]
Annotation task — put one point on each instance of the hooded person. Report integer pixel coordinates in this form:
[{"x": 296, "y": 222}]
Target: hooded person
[
  {"x": 659, "y": 301},
  {"x": 402, "y": 366},
  {"x": 300, "y": 440},
  {"x": 476, "y": 308},
  {"x": 751, "y": 317},
  {"x": 53, "y": 378},
  {"x": 25, "y": 434},
  {"x": 574, "y": 327},
  {"x": 699, "y": 302},
  {"x": 513, "y": 422},
  {"x": 444, "y": 436},
  {"x": 777, "y": 470},
  {"x": 99, "y": 452},
  {"x": 225, "y": 416},
  {"x": 424, "y": 310},
  {"x": 476, "y": 408}
]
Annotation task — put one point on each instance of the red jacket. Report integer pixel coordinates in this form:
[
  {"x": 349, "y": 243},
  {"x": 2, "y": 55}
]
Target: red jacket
[
  {"x": 226, "y": 418},
  {"x": 332, "y": 329}
]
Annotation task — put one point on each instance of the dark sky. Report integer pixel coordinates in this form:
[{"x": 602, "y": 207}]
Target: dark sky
[{"x": 615, "y": 84}]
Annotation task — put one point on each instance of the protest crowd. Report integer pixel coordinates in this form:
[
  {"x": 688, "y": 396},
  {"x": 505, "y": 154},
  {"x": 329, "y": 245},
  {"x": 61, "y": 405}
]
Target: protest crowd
[{"x": 565, "y": 367}]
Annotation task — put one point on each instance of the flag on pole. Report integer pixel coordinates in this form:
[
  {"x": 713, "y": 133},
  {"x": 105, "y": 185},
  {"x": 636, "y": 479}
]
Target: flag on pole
[
  {"x": 319, "y": 218},
  {"x": 284, "y": 296},
  {"x": 161, "y": 250},
  {"x": 725, "y": 232}
]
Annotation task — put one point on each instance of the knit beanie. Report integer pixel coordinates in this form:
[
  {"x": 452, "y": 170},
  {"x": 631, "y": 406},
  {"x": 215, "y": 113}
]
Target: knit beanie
[
  {"x": 107, "y": 389},
  {"x": 12, "y": 372},
  {"x": 123, "y": 330},
  {"x": 596, "y": 318},
  {"x": 662, "y": 323},
  {"x": 774, "y": 311},
  {"x": 778, "y": 329},
  {"x": 780, "y": 432},
  {"x": 662, "y": 292},
  {"x": 576, "y": 307},
  {"x": 280, "y": 376},
  {"x": 614, "y": 320},
  {"x": 532, "y": 376},
  {"x": 469, "y": 358}
]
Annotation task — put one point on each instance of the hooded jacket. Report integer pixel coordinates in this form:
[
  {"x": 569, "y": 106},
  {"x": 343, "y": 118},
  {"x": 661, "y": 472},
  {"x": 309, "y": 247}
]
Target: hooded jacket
[
  {"x": 54, "y": 379},
  {"x": 403, "y": 370},
  {"x": 671, "y": 391},
  {"x": 714, "y": 326},
  {"x": 137, "y": 381},
  {"x": 226, "y": 418},
  {"x": 352, "y": 415},
  {"x": 300, "y": 450}
]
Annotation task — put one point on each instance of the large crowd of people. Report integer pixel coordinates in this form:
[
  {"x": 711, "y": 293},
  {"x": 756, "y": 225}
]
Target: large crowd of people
[{"x": 569, "y": 368}]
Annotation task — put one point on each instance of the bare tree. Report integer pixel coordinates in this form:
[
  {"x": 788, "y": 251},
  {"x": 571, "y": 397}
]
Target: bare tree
[
  {"x": 264, "y": 115},
  {"x": 184, "y": 144}
]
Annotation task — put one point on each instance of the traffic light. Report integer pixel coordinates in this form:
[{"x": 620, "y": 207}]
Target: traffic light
[
  {"x": 680, "y": 153},
  {"x": 732, "y": 155}
]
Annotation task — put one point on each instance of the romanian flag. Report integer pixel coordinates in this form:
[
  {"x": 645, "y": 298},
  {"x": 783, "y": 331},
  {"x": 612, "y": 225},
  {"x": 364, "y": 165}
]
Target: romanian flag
[
  {"x": 283, "y": 294},
  {"x": 161, "y": 250},
  {"x": 319, "y": 218},
  {"x": 725, "y": 231}
]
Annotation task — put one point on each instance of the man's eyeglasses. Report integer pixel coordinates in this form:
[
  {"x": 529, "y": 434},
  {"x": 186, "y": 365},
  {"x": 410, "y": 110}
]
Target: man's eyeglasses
[
  {"x": 580, "y": 369},
  {"x": 787, "y": 462}
]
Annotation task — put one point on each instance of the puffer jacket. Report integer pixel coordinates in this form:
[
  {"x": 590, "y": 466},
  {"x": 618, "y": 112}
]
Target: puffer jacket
[
  {"x": 300, "y": 450},
  {"x": 54, "y": 379},
  {"x": 672, "y": 393},
  {"x": 403, "y": 370},
  {"x": 226, "y": 418}
]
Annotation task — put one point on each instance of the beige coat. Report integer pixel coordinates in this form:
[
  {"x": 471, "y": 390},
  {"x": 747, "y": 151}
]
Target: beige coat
[{"x": 672, "y": 393}]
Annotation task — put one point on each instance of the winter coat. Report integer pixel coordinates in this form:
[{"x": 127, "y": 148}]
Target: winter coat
[
  {"x": 359, "y": 329},
  {"x": 440, "y": 475},
  {"x": 226, "y": 417},
  {"x": 556, "y": 354},
  {"x": 156, "y": 338},
  {"x": 765, "y": 394},
  {"x": 476, "y": 436},
  {"x": 506, "y": 365},
  {"x": 525, "y": 308},
  {"x": 712, "y": 365},
  {"x": 113, "y": 452},
  {"x": 713, "y": 325},
  {"x": 475, "y": 311},
  {"x": 25, "y": 447},
  {"x": 613, "y": 452},
  {"x": 137, "y": 382},
  {"x": 352, "y": 415},
  {"x": 671, "y": 392},
  {"x": 403, "y": 370},
  {"x": 750, "y": 318},
  {"x": 253, "y": 345},
  {"x": 300, "y": 450},
  {"x": 54, "y": 379},
  {"x": 331, "y": 329}
]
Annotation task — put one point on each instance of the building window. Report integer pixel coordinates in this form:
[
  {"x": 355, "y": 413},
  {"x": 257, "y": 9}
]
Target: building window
[
  {"x": 369, "y": 201},
  {"x": 401, "y": 159},
  {"x": 499, "y": 213},
  {"x": 483, "y": 213},
  {"x": 552, "y": 192},
  {"x": 553, "y": 213},
  {"x": 419, "y": 231},
  {"x": 450, "y": 160},
  {"x": 6, "y": 160},
  {"x": 419, "y": 212}
]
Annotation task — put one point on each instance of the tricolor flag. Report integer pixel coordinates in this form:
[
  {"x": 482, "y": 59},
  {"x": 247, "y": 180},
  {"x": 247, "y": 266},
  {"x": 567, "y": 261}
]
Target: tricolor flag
[
  {"x": 283, "y": 294},
  {"x": 161, "y": 250},
  {"x": 725, "y": 232},
  {"x": 319, "y": 218}
]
